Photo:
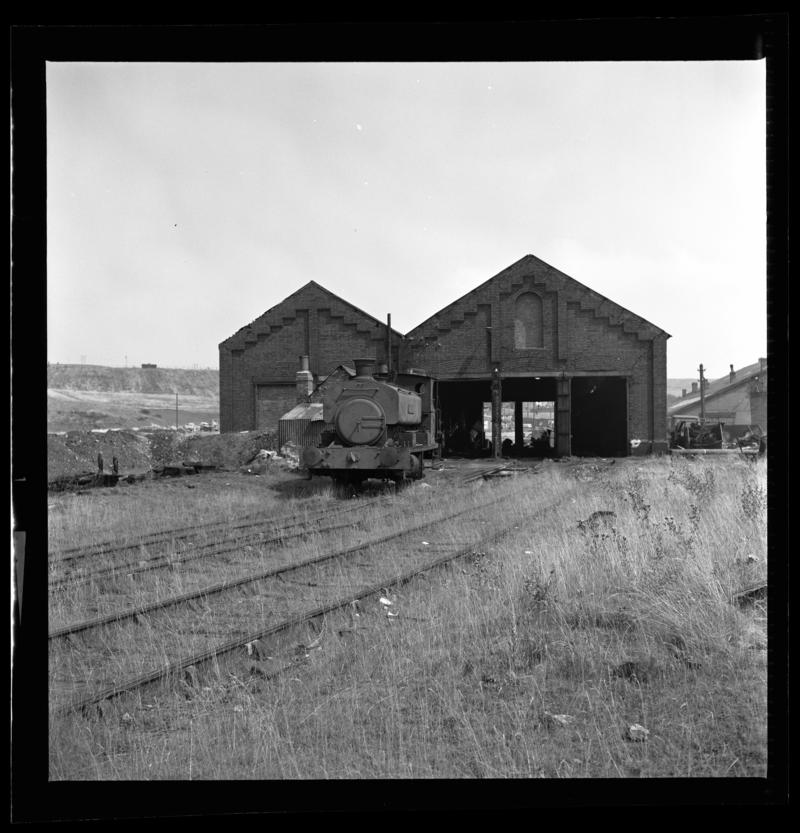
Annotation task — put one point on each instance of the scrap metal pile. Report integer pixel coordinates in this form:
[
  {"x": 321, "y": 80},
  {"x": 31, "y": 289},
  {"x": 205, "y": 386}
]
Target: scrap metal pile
[{"x": 690, "y": 435}]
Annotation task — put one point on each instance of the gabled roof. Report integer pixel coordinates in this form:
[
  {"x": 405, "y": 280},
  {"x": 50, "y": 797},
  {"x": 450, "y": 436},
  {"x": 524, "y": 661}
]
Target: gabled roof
[
  {"x": 573, "y": 290},
  {"x": 718, "y": 386},
  {"x": 273, "y": 317}
]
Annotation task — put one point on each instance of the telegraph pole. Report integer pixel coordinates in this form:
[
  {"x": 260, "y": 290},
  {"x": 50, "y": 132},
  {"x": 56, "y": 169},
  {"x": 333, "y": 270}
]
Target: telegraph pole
[
  {"x": 702, "y": 394},
  {"x": 176, "y": 410}
]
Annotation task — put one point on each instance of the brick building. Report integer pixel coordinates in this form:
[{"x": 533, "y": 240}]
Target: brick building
[
  {"x": 259, "y": 363},
  {"x": 529, "y": 341}
]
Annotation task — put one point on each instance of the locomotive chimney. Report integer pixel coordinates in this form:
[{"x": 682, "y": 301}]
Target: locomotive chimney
[
  {"x": 364, "y": 368},
  {"x": 304, "y": 381}
]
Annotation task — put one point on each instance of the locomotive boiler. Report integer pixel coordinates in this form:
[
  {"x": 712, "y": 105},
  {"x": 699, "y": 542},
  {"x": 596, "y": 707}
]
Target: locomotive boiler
[{"x": 375, "y": 428}]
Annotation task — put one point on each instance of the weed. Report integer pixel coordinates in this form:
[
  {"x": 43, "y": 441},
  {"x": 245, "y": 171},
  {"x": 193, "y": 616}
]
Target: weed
[
  {"x": 753, "y": 501},
  {"x": 702, "y": 488},
  {"x": 636, "y": 491}
]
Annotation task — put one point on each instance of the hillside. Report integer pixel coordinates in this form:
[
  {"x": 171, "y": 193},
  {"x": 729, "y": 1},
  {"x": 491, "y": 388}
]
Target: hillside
[
  {"x": 82, "y": 397},
  {"x": 675, "y": 386},
  {"x": 133, "y": 379}
]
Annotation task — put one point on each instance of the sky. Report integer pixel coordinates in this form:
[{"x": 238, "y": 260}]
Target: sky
[{"x": 184, "y": 200}]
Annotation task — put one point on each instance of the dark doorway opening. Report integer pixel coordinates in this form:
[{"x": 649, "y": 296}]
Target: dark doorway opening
[
  {"x": 599, "y": 416},
  {"x": 461, "y": 418},
  {"x": 528, "y": 417}
]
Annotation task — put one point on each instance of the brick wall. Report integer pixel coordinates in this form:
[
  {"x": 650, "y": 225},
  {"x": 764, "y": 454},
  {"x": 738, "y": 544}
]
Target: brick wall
[{"x": 265, "y": 354}]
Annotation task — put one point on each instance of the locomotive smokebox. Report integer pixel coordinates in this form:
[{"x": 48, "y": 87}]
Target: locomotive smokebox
[{"x": 364, "y": 367}]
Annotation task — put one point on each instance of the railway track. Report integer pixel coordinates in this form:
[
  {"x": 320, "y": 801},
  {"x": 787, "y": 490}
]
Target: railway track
[
  {"x": 72, "y": 578},
  {"x": 106, "y": 656},
  {"x": 68, "y": 572},
  {"x": 252, "y": 520},
  {"x": 198, "y": 552},
  {"x": 192, "y": 660},
  {"x": 171, "y": 536},
  {"x": 206, "y": 589}
]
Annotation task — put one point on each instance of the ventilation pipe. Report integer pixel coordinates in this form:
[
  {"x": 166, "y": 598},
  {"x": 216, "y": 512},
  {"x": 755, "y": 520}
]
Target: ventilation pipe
[
  {"x": 304, "y": 381},
  {"x": 388, "y": 343}
]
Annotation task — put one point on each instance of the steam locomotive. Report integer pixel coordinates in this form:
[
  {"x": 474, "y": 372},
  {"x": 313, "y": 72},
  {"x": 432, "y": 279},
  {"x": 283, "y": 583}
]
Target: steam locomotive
[{"x": 375, "y": 428}]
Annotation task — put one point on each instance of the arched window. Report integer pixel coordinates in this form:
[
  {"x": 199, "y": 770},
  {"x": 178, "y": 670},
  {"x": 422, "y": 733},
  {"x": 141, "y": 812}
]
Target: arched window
[{"x": 528, "y": 331}]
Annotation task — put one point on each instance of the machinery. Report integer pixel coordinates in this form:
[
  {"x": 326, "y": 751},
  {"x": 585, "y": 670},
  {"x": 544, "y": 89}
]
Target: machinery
[
  {"x": 375, "y": 428},
  {"x": 689, "y": 434}
]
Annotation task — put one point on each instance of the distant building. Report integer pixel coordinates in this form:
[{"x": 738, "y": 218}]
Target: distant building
[
  {"x": 740, "y": 398},
  {"x": 149, "y": 366}
]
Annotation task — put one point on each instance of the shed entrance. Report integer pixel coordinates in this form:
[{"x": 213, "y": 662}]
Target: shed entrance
[
  {"x": 526, "y": 420},
  {"x": 599, "y": 416}
]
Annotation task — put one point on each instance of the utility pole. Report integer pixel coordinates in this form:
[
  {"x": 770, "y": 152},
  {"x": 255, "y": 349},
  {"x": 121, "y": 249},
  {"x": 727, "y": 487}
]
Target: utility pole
[
  {"x": 702, "y": 394},
  {"x": 176, "y": 410}
]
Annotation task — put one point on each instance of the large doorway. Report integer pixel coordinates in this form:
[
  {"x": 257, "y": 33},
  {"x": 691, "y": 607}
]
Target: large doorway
[
  {"x": 528, "y": 418},
  {"x": 599, "y": 416},
  {"x": 527, "y": 429},
  {"x": 461, "y": 418}
]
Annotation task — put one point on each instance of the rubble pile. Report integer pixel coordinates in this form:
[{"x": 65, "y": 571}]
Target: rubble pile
[
  {"x": 267, "y": 459},
  {"x": 228, "y": 450},
  {"x": 74, "y": 454}
]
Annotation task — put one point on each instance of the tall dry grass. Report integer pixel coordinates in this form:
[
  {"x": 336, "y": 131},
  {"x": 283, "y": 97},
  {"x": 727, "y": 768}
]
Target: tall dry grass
[{"x": 532, "y": 659}]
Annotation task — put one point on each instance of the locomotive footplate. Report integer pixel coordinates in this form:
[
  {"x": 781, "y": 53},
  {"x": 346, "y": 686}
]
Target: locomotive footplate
[{"x": 370, "y": 461}]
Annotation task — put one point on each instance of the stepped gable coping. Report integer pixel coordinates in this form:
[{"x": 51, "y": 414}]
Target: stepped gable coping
[
  {"x": 617, "y": 315},
  {"x": 272, "y": 317}
]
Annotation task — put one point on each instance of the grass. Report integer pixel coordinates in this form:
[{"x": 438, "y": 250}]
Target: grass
[{"x": 532, "y": 659}]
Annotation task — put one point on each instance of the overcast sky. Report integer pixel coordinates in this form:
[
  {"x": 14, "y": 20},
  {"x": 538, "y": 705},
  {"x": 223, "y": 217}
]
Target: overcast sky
[{"x": 184, "y": 200}]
